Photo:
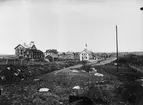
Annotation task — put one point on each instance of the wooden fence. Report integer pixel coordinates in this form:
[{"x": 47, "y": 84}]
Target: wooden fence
[{"x": 11, "y": 61}]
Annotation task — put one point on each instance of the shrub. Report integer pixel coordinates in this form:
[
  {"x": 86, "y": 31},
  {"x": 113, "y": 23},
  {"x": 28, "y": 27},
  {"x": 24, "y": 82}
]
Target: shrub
[
  {"x": 45, "y": 99},
  {"x": 87, "y": 68}
]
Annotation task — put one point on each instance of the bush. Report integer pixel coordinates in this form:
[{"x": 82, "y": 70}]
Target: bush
[
  {"x": 4, "y": 100},
  {"x": 87, "y": 68},
  {"x": 45, "y": 99}
]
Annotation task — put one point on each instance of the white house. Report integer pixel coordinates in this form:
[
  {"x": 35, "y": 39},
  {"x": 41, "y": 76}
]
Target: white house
[{"x": 86, "y": 54}]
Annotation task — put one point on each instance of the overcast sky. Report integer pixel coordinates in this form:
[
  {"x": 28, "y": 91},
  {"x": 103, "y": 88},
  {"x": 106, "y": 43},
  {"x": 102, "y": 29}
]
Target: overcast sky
[{"x": 69, "y": 24}]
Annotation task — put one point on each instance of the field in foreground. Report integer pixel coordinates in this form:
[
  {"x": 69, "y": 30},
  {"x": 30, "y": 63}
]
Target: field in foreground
[{"x": 123, "y": 88}]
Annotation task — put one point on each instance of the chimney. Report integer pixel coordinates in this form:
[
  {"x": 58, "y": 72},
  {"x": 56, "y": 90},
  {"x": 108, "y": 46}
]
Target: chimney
[
  {"x": 31, "y": 43},
  {"x": 24, "y": 44}
]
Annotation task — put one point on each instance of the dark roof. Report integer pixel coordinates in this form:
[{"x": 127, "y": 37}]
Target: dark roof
[
  {"x": 34, "y": 50},
  {"x": 87, "y": 51},
  {"x": 17, "y": 46}
]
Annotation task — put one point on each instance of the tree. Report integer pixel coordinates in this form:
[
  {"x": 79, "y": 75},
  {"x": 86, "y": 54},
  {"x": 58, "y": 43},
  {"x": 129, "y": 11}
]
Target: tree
[{"x": 52, "y": 51}]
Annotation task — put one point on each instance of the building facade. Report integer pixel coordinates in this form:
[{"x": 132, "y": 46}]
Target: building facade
[
  {"x": 33, "y": 54},
  {"x": 23, "y": 51},
  {"x": 69, "y": 55},
  {"x": 86, "y": 54}
]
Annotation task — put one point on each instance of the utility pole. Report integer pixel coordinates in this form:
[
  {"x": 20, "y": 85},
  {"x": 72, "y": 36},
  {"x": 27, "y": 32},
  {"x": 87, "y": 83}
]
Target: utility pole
[
  {"x": 117, "y": 47},
  {"x": 6, "y": 61}
]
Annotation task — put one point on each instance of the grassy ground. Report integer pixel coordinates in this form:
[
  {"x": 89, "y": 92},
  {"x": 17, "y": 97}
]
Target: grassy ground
[{"x": 111, "y": 89}]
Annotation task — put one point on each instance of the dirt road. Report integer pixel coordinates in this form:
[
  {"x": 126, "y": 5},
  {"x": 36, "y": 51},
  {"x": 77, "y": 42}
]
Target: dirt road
[
  {"x": 136, "y": 68},
  {"x": 92, "y": 63},
  {"x": 103, "y": 62}
]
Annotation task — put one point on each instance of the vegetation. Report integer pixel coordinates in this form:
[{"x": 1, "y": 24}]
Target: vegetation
[
  {"x": 123, "y": 88},
  {"x": 131, "y": 59}
]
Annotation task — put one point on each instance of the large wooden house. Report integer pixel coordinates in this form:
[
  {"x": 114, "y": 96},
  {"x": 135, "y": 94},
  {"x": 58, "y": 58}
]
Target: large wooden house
[{"x": 23, "y": 51}]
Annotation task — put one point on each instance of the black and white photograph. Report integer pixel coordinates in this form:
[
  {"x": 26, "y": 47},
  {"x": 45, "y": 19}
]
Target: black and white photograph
[{"x": 71, "y": 52}]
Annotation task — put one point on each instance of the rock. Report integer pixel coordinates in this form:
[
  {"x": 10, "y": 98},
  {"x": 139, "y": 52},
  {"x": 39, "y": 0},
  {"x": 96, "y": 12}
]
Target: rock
[
  {"x": 8, "y": 68},
  {"x": 2, "y": 77},
  {"x": 95, "y": 70},
  {"x": 75, "y": 71},
  {"x": 141, "y": 80},
  {"x": 19, "y": 70},
  {"x": 92, "y": 68},
  {"x": 36, "y": 80},
  {"x": 16, "y": 74},
  {"x": 22, "y": 79},
  {"x": 61, "y": 103},
  {"x": 76, "y": 87},
  {"x": 115, "y": 64},
  {"x": 99, "y": 74},
  {"x": 44, "y": 90},
  {"x": 1, "y": 90}
]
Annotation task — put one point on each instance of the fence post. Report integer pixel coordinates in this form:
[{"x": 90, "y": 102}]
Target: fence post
[
  {"x": 14, "y": 61},
  {"x": 6, "y": 61}
]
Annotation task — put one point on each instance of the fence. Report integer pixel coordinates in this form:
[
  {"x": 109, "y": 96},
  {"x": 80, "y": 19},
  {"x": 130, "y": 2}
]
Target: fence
[
  {"x": 11, "y": 61},
  {"x": 7, "y": 61}
]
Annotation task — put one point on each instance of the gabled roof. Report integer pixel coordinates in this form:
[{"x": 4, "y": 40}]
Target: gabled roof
[
  {"x": 25, "y": 45},
  {"x": 32, "y": 46},
  {"x": 17, "y": 46},
  {"x": 87, "y": 51}
]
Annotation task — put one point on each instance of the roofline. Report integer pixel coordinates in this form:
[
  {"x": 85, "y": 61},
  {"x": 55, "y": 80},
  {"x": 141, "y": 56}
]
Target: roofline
[
  {"x": 34, "y": 50},
  {"x": 17, "y": 46}
]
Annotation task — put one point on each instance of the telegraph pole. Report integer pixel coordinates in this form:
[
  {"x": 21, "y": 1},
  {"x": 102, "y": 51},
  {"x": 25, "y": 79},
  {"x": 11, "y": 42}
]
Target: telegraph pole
[{"x": 117, "y": 47}]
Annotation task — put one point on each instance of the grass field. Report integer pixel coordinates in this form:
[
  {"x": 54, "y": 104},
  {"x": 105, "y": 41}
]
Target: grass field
[{"x": 113, "y": 88}]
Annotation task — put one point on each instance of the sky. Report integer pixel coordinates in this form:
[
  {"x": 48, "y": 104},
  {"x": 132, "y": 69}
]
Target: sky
[{"x": 67, "y": 25}]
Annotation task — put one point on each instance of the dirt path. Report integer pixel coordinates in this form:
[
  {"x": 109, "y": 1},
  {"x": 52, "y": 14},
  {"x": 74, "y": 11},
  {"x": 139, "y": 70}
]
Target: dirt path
[
  {"x": 136, "y": 68},
  {"x": 92, "y": 63},
  {"x": 71, "y": 67},
  {"x": 109, "y": 60}
]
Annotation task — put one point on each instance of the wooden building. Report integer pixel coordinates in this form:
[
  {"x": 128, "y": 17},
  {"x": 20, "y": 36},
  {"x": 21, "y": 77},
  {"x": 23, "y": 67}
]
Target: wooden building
[
  {"x": 23, "y": 51},
  {"x": 86, "y": 54}
]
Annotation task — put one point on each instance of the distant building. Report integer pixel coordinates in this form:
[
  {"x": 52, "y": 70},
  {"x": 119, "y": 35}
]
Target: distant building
[
  {"x": 61, "y": 55},
  {"x": 66, "y": 55},
  {"x": 30, "y": 52},
  {"x": 69, "y": 55},
  {"x": 76, "y": 55},
  {"x": 86, "y": 54},
  {"x": 51, "y": 55},
  {"x": 104, "y": 55}
]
